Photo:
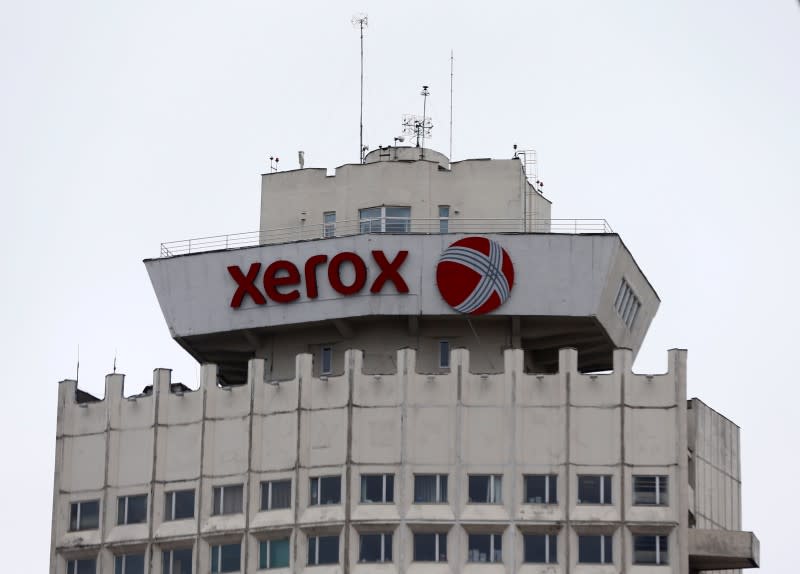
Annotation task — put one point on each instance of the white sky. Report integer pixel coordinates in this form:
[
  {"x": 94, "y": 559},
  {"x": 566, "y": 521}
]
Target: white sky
[{"x": 126, "y": 124}]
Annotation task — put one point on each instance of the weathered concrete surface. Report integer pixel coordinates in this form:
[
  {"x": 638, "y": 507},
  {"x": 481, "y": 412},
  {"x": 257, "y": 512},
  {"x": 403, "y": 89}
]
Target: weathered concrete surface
[{"x": 722, "y": 549}]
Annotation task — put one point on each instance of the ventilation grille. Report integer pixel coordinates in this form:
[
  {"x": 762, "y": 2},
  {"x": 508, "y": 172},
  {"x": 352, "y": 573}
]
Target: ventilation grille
[{"x": 627, "y": 304}]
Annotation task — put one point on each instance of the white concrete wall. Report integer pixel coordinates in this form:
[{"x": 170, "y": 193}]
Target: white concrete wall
[{"x": 456, "y": 423}]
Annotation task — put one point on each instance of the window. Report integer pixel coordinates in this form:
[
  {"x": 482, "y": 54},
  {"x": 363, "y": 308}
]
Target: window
[
  {"x": 326, "y": 490},
  {"x": 650, "y": 490},
  {"x": 326, "y": 365},
  {"x": 82, "y": 566},
  {"x": 430, "y": 488},
  {"x": 132, "y": 509},
  {"x": 329, "y": 224},
  {"x": 179, "y": 504},
  {"x": 377, "y": 488},
  {"x": 323, "y": 550},
  {"x": 385, "y": 219},
  {"x": 627, "y": 304},
  {"x": 541, "y": 489},
  {"x": 129, "y": 564},
  {"x": 444, "y": 354},
  {"x": 228, "y": 499},
  {"x": 594, "y": 489},
  {"x": 595, "y": 549},
  {"x": 84, "y": 515},
  {"x": 540, "y": 548},
  {"x": 430, "y": 547},
  {"x": 485, "y": 488},
  {"x": 375, "y": 548},
  {"x": 650, "y": 550},
  {"x": 485, "y": 548},
  {"x": 273, "y": 553},
  {"x": 177, "y": 561},
  {"x": 444, "y": 216},
  {"x": 226, "y": 558},
  {"x": 276, "y": 494}
]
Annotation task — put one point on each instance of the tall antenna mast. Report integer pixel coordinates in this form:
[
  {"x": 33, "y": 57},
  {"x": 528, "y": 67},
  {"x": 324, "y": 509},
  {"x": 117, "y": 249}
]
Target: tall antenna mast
[
  {"x": 424, "y": 93},
  {"x": 451, "y": 105},
  {"x": 360, "y": 22}
]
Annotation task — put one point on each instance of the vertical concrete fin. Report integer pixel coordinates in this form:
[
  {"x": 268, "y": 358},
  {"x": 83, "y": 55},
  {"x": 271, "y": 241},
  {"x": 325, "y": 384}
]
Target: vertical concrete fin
[
  {"x": 623, "y": 361},
  {"x": 513, "y": 361},
  {"x": 567, "y": 360},
  {"x": 162, "y": 379},
  {"x": 67, "y": 396},
  {"x": 460, "y": 358},
  {"x": 256, "y": 371},
  {"x": 354, "y": 359},
  {"x": 406, "y": 361},
  {"x": 303, "y": 366},
  {"x": 208, "y": 376},
  {"x": 115, "y": 390}
]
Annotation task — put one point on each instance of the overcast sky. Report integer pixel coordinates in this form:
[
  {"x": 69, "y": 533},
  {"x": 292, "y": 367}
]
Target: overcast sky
[{"x": 125, "y": 124}]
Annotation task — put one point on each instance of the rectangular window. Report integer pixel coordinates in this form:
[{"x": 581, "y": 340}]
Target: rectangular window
[
  {"x": 129, "y": 564},
  {"x": 430, "y": 488},
  {"x": 179, "y": 504},
  {"x": 485, "y": 488},
  {"x": 650, "y": 490},
  {"x": 326, "y": 490},
  {"x": 177, "y": 561},
  {"x": 485, "y": 548},
  {"x": 541, "y": 548},
  {"x": 326, "y": 365},
  {"x": 273, "y": 553},
  {"x": 226, "y": 558},
  {"x": 541, "y": 489},
  {"x": 377, "y": 488},
  {"x": 595, "y": 549},
  {"x": 84, "y": 515},
  {"x": 650, "y": 550},
  {"x": 228, "y": 499},
  {"x": 132, "y": 509},
  {"x": 444, "y": 218},
  {"x": 430, "y": 547},
  {"x": 385, "y": 219},
  {"x": 594, "y": 489},
  {"x": 323, "y": 550},
  {"x": 444, "y": 354},
  {"x": 276, "y": 494},
  {"x": 329, "y": 224},
  {"x": 82, "y": 566},
  {"x": 627, "y": 304},
  {"x": 375, "y": 548}
]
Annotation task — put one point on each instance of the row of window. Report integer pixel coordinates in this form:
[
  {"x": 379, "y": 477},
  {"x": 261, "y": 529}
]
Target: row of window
[
  {"x": 326, "y": 357},
  {"x": 375, "y": 489},
  {"x": 378, "y": 548},
  {"x": 384, "y": 219}
]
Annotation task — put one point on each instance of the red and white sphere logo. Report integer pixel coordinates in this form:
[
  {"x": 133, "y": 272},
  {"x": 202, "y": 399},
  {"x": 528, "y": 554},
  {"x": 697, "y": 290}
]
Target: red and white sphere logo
[{"x": 475, "y": 275}]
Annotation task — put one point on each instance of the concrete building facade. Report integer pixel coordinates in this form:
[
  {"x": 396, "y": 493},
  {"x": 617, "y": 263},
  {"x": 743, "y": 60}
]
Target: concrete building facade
[{"x": 353, "y": 416}]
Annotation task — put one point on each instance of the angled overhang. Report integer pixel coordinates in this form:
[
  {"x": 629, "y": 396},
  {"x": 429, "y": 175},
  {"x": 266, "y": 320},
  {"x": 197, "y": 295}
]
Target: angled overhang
[{"x": 722, "y": 550}]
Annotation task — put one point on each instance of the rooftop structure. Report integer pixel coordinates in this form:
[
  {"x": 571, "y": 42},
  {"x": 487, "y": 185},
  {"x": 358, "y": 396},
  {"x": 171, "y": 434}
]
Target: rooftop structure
[{"x": 409, "y": 367}]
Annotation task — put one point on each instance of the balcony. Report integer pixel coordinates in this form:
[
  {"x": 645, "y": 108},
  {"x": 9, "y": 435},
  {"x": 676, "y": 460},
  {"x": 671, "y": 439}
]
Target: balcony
[{"x": 382, "y": 225}]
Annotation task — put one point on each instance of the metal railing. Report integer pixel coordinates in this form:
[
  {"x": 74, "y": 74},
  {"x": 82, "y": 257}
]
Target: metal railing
[{"x": 387, "y": 225}]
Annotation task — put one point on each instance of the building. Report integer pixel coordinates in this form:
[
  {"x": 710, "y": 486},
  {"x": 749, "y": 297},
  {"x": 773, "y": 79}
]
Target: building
[{"x": 410, "y": 368}]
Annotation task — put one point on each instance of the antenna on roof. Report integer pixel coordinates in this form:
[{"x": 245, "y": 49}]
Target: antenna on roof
[
  {"x": 451, "y": 105},
  {"x": 273, "y": 163},
  {"x": 419, "y": 127},
  {"x": 360, "y": 21}
]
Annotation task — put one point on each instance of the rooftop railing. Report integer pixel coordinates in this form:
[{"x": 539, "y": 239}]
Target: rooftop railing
[{"x": 383, "y": 225}]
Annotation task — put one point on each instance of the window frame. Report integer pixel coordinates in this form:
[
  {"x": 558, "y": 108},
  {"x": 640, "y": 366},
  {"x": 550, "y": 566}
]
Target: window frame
[
  {"x": 660, "y": 479},
  {"x": 441, "y": 488},
  {"x": 606, "y": 484},
  {"x": 265, "y": 545},
  {"x": 267, "y": 503},
  {"x": 122, "y": 559},
  {"x": 328, "y": 224},
  {"x": 661, "y": 555},
  {"x": 444, "y": 220},
  {"x": 382, "y": 218},
  {"x": 169, "y": 554},
  {"x": 124, "y": 520},
  {"x": 219, "y": 548},
  {"x": 78, "y": 506},
  {"x": 387, "y": 488},
  {"x": 326, "y": 355},
  {"x": 550, "y": 488},
  {"x": 492, "y": 558},
  {"x": 440, "y": 539},
  {"x": 315, "y": 499},
  {"x": 170, "y": 504},
  {"x": 386, "y": 541},
  {"x": 221, "y": 488},
  {"x": 313, "y": 541},
  {"x": 550, "y": 549},
  {"x": 495, "y": 494},
  {"x": 606, "y": 540},
  {"x": 444, "y": 353},
  {"x": 74, "y": 563}
]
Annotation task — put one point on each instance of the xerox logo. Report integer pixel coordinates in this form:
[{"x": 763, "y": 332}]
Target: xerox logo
[{"x": 475, "y": 275}]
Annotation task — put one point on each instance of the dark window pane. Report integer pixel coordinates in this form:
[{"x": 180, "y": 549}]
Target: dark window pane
[
  {"x": 121, "y": 510},
  {"x": 263, "y": 548},
  {"x": 425, "y": 488},
  {"x": 389, "y": 488},
  {"x": 536, "y": 548},
  {"x": 589, "y": 489},
  {"x": 370, "y": 550},
  {"x": 424, "y": 547},
  {"x": 372, "y": 488},
  {"x": 180, "y": 561},
  {"x": 281, "y": 494},
  {"x": 553, "y": 489},
  {"x": 442, "y": 488},
  {"x": 183, "y": 501},
  {"x": 590, "y": 549},
  {"x": 607, "y": 490},
  {"x": 328, "y": 550},
  {"x": 480, "y": 548},
  {"x": 479, "y": 488},
  {"x": 608, "y": 558},
  {"x": 85, "y": 566},
  {"x": 330, "y": 490},
  {"x": 535, "y": 489},
  {"x": 137, "y": 509},
  {"x": 231, "y": 558},
  {"x": 279, "y": 553}
]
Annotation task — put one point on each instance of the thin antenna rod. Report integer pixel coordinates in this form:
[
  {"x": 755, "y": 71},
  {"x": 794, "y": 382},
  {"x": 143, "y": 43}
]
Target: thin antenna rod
[
  {"x": 424, "y": 93},
  {"x": 451, "y": 105},
  {"x": 78, "y": 366},
  {"x": 360, "y": 20}
]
